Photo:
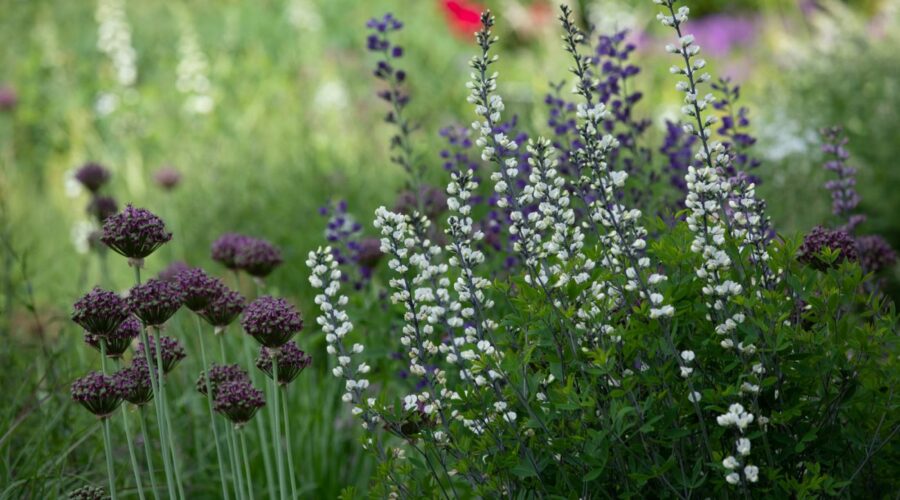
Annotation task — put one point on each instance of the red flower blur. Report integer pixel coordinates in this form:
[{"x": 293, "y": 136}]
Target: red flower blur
[{"x": 464, "y": 18}]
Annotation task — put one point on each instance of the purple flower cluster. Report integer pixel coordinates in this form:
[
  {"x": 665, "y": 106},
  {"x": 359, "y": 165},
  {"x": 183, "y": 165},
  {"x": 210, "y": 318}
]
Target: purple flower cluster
[
  {"x": 427, "y": 200},
  {"x": 170, "y": 348},
  {"x": 198, "y": 288},
  {"x": 271, "y": 321},
  {"x": 100, "y": 312},
  {"x": 8, "y": 98},
  {"x": 238, "y": 400},
  {"x": 102, "y": 207},
  {"x": 821, "y": 239},
  {"x": 87, "y": 493},
  {"x": 289, "y": 358},
  {"x": 92, "y": 176},
  {"x": 119, "y": 340},
  {"x": 100, "y": 394},
  {"x": 223, "y": 309},
  {"x": 135, "y": 379},
  {"x": 135, "y": 232},
  {"x": 678, "y": 148},
  {"x": 167, "y": 178},
  {"x": 218, "y": 375},
  {"x": 256, "y": 256},
  {"x": 172, "y": 270},
  {"x": 875, "y": 253},
  {"x": 155, "y": 301},
  {"x": 456, "y": 156},
  {"x": 348, "y": 245}
]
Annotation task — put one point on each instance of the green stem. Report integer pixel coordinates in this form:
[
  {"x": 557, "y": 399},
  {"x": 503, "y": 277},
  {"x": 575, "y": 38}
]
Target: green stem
[
  {"x": 287, "y": 443},
  {"x": 246, "y": 462},
  {"x": 282, "y": 483},
  {"x": 107, "y": 444},
  {"x": 165, "y": 412},
  {"x": 235, "y": 460},
  {"x": 212, "y": 415},
  {"x": 134, "y": 463},
  {"x": 150, "y": 469},
  {"x": 155, "y": 379},
  {"x": 261, "y": 427}
]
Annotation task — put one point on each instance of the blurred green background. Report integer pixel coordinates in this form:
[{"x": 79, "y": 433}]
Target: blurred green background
[{"x": 267, "y": 110}]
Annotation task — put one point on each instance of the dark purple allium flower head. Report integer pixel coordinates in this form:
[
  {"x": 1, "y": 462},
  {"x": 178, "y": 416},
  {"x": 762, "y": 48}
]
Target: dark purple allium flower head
[
  {"x": 222, "y": 310},
  {"x": 167, "y": 177},
  {"x": 257, "y": 257},
  {"x": 368, "y": 252},
  {"x": 225, "y": 249},
  {"x": 136, "y": 381},
  {"x": 875, "y": 253},
  {"x": 219, "y": 374},
  {"x": 155, "y": 301},
  {"x": 172, "y": 270},
  {"x": 87, "y": 493},
  {"x": 172, "y": 352},
  {"x": 238, "y": 400},
  {"x": 820, "y": 239},
  {"x": 100, "y": 312},
  {"x": 102, "y": 207},
  {"x": 118, "y": 341},
  {"x": 199, "y": 288},
  {"x": 135, "y": 232},
  {"x": 8, "y": 98},
  {"x": 92, "y": 176},
  {"x": 432, "y": 199},
  {"x": 271, "y": 321},
  {"x": 100, "y": 394},
  {"x": 290, "y": 359}
]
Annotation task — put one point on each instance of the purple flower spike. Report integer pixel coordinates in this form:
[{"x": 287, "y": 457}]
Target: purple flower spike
[
  {"x": 172, "y": 352},
  {"x": 222, "y": 310},
  {"x": 100, "y": 394},
  {"x": 103, "y": 207},
  {"x": 198, "y": 287},
  {"x": 257, "y": 257},
  {"x": 875, "y": 253},
  {"x": 225, "y": 249},
  {"x": 87, "y": 493},
  {"x": 118, "y": 341},
  {"x": 135, "y": 232},
  {"x": 155, "y": 301},
  {"x": 820, "y": 239},
  {"x": 271, "y": 321},
  {"x": 167, "y": 178},
  {"x": 92, "y": 176},
  {"x": 290, "y": 359},
  {"x": 100, "y": 312},
  {"x": 136, "y": 381},
  {"x": 218, "y": 375},
  {"x": 238, "y": 400}
]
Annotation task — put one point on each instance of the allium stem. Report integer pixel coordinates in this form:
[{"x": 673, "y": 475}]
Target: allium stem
[
  {"x": 107, "y": 445},
  {"x": 155, "y": 379},
  {"x": 235, "y": 461},
  {"x": 246, "y": 462},
  {"x": 212, "y": 415},
  {"x": 134, "y": 463},
  {"x": 147, "y": 456},
  {"x": 261, "y": 428},
  {"x": 165, "y": 411},
  {"x": 287, "y": 443},
  {"x": 282, "y": 484}
]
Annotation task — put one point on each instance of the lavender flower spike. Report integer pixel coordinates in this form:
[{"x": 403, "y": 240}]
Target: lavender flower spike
[
  {"x": 100, "y": 394},
  {"x": 272, "y": 322},
  {"x": 100, "y": 312},
  {"x": 844, "y": 198},
  {"x": 135, "y": 233},
  {"x": 155, "y": 301}
]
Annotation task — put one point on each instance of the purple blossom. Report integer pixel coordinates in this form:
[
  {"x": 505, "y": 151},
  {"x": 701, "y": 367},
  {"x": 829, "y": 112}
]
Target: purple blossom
[
  {"x": 719, "y": 34},
  {"x": 172, "y": 270},
  {"x": 821, "y": 239},
  {"x": 223, "y": 309},
  {"x": 8, "y": 98},
  {"x": 167, "y": 178},
  {"x": 844, "y": 198},
  {"x": 198, "y": 288},
  {"x": 119, "y": 340},
  {"x": 875, "y": 253},
  {"x": 92, "y": 176},
  {"x": 368, "y": 253},
  {"x": 257, "y": 257},
  {"x": 171, "y": 349},
  {"x": 100, "y": 312},
  {"x": 238, "y": 400},
  {"x": 290, "y": 359},
  {"x": 225, "y": 249},
  {"x": 135, "y": 232},
  {"x": 100, "y": 394},
  {"x": 733, "y": 128},
  {"x": 135, "y": 379},
  {"x": 456, "y": 156},
  {"x": 155, "y": 301},
  {"x": 219, "y": 374},
  {"x": 678, "y": 148},
  {"x": 428, "y": 200},
  {"x": 271, "y": 321},
  {"x": 102, "y": 207}
]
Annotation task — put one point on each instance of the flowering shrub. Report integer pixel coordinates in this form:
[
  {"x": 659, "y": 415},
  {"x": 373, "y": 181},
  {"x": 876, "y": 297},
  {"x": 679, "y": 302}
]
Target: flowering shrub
[{"x": 704, "y": 356}]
